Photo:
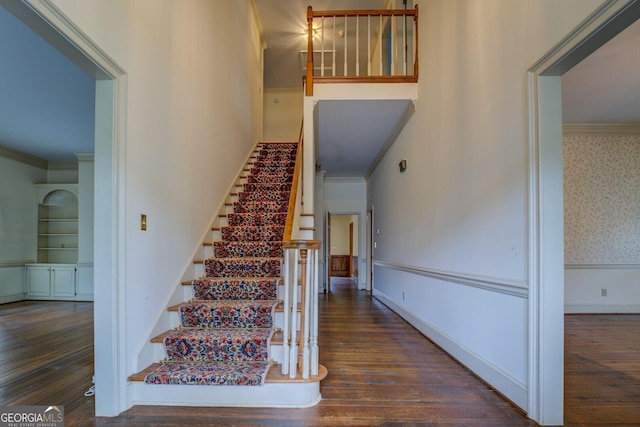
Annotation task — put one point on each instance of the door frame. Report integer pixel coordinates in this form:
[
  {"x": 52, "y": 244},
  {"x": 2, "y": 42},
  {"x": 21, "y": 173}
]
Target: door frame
[
  {"x": 110, "y": 359},
  {"x": 546, "y": 215},
  {"x": 329, "y": 214}
]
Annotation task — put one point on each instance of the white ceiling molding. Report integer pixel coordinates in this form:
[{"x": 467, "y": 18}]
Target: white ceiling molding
[
  {"x": 63, "y": 165},
  {"x": 18, "y": 156},
  {"x": 601, "y": 128}
]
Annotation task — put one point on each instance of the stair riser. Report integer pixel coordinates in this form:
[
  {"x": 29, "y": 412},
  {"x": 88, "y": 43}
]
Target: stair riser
[
  {"x": 174, "y": 318},
  {"x": 189, "y": 295},
  {"x": 276, "y": 352},
  {"x": 252, "y": 234},
  {"x": 242, "y": 268}
]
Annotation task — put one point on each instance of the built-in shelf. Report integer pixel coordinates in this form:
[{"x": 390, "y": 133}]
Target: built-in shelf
[{"x": 57, "y": 226}]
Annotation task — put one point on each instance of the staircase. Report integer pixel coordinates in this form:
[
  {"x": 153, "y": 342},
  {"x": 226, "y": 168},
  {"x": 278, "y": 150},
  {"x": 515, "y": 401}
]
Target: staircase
[{"x": 228, "y": 344}]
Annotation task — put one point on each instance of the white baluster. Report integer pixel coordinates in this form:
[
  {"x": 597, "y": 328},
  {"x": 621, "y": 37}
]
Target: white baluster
[
  {"x": 322, "y": 46},
  {"x": 293, "y": 351},
  {"x": 307, "y": 314},
  {"x": 345, "y": 45},
  {"x": 394, "y": 51},
  {"x": 368, "y": 45},
  {"x": 314, "y": 315},
  {"x": 404, "y": 45},
  {"x": 287, "y": 312},
  {"x": 380, "y": 44},
  {"x": 333, "y": 66},
  {"x": 357, "y": 45}
]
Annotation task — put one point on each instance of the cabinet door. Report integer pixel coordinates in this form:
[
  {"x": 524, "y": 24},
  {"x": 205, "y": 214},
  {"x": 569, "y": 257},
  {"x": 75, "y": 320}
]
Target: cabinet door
[
  {"x": 63, "y": 281},
  {"x": 38, "y": 281}
]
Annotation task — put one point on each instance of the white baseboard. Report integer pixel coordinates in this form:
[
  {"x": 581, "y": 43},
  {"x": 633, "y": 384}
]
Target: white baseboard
[
  {"x": 11, "y": 298},
  {"x": 511, "y": 388},
  {"x": 601, "y": 309}
]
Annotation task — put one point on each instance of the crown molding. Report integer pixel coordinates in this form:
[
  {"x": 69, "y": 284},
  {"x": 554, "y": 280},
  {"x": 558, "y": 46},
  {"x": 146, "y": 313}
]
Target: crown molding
[
  {"x": 18, "y": 156},
  {"x": 601, "y": 128},
  {"x": 62, "y": 165},
  {"x": 86, "y": 157}
]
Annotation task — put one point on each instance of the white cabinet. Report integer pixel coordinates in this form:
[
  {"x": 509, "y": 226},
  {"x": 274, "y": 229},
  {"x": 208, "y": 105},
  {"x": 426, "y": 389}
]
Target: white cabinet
[
  {"x": 51, "y": 281},
  {"x": 38, "y": 281}
]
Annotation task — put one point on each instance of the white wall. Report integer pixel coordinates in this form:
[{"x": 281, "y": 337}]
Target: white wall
[
  {"x": 340, "y": 234},
  {"x": 452, "y": 253},
  {"x": 602, "y": 216},
  {"x": 193, "y": 113},
  {"x": 282, "y": 114},
  {"x": 17, "y": 224}
]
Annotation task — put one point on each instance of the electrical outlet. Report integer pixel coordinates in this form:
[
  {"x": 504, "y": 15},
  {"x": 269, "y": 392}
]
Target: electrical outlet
[{"x": 604, "y": 292}]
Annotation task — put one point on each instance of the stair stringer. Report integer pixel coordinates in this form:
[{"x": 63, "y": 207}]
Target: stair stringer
[{"x": 147, "y": 352}]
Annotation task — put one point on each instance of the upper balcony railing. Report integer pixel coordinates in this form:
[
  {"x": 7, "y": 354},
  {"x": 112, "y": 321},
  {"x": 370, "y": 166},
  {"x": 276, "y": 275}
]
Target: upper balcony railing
[{"x": 361, "y": 46}]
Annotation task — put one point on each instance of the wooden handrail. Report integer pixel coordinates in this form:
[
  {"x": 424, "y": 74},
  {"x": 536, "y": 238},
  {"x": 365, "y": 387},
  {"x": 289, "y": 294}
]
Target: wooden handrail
[
  {"x": 291, "y": 209},
  {"x": 370, "y": 12}
]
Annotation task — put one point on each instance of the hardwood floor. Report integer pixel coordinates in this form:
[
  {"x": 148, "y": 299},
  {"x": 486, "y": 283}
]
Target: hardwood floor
[
  {"x": 381, "y": 372},
  {"x": 602, "y": 369},
  {"x": 46, "y": 353}
]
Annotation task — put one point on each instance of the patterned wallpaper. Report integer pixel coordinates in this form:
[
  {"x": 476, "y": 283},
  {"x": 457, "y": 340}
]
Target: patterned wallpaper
[{"x": 602, "y": 199}]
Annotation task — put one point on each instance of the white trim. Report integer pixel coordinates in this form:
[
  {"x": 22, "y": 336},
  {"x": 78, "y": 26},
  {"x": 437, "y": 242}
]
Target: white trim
[
  {"x": 270, "y": 395},
  {"x": 601, "y": 128},
  {"x": 602, "y": 266},
  {"x": 18, "y": 156},
  {"x": 601, "y": 309},
  {"x": 62, "y": 165},
  {"x": 502, "y": 286},
  {"x": 109, "y": 255},
  {"x": 5, "y": 299},
  {"x": 15, "y": 263},
  {"x": 488, "y": 372},
  {"x": 546, "y": 342}
]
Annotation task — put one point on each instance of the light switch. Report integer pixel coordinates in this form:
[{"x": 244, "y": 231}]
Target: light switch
[{"x": 143, "y": 222}]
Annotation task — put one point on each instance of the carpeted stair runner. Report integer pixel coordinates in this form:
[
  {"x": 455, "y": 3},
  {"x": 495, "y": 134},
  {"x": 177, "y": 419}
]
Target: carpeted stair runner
[{"x": 225, "y": 332}]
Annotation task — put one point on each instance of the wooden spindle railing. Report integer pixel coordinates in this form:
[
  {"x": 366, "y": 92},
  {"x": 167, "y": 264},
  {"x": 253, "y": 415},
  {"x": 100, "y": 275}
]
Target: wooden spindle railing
[
  {"x": 300, "y": 329},
  {"x": 388, "y": 66}
]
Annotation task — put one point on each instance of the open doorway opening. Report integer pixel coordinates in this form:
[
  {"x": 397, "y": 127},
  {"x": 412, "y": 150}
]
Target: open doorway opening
[
  {"x": 110, "y": 98},
  {"x": 546, "y": 273},
  {"x": 343, "y": 246}
]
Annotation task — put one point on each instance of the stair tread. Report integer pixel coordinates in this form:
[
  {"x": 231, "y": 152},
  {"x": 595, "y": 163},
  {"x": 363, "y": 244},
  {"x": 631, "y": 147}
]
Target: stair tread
[
  {"x": 276, "y": 338},
  {"x": 176, "y": 307},
  {"x": 274, "y": 375},
  {"x": 279, "y": 279}
]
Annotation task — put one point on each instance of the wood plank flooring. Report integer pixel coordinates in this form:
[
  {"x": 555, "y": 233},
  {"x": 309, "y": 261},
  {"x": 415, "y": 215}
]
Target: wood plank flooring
[
  {"x": 381, "y": 372},
  {"x": 602, "y": 369}
]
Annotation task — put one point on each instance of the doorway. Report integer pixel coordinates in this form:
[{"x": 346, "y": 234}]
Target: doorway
[
  {"x": 343, "y": 246},
  {"x": 55, "y": 28},
  {"x": 546, "y": 272}
]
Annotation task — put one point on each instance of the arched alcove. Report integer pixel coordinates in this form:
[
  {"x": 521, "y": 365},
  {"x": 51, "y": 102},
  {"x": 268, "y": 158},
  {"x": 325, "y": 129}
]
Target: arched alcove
[{"x": 58, "y": 228}]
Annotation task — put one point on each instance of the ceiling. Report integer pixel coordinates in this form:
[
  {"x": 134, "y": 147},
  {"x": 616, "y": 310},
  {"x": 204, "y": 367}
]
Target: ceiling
[{"x": 47, "y": 103}]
